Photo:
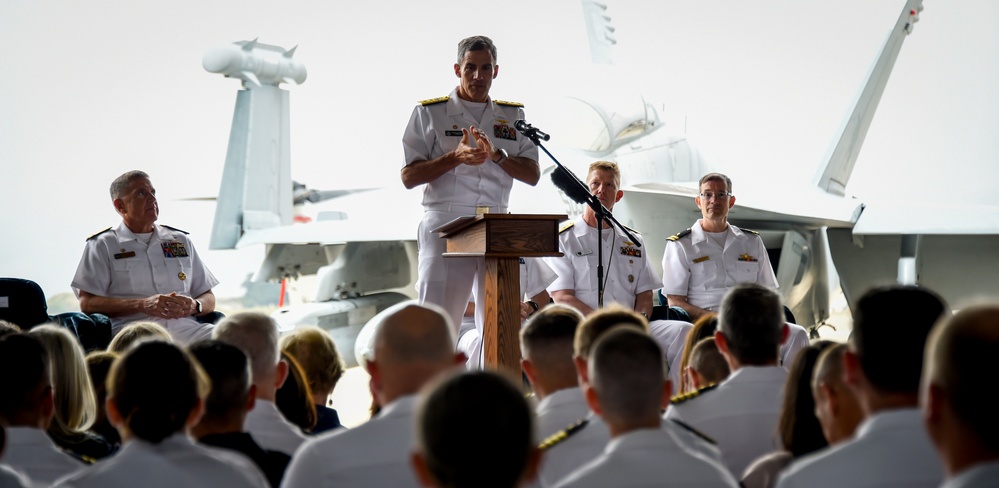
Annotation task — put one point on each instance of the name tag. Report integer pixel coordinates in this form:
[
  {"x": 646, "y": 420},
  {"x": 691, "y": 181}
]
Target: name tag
[
  {"x": 584, "y": 253},
  {"x": 454, "y": 133},
  {"x": 124, "y": 254},
  {"x": 702, "y": 259}
]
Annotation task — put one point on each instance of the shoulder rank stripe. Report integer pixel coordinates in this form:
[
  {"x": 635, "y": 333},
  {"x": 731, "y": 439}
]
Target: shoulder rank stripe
[
  {"x": 560, "y": 436},
  {"x": 176, "y": 229},
  {"x": 692, "y": 430},
  {"x": 565, "y": 226},
  {"x": 633, "y": 231},
  {"x": 678, "y": 399},
  {"x": 678, "y": 235},
  {"x": 432, "y": 101},
  {"x": 508, "y": 104},
  {"x": 750, "y": 231},
  {"x": 99, "y": 233}
]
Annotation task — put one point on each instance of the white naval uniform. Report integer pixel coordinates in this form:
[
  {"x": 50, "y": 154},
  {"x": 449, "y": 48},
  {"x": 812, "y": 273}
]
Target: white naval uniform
[
  {"x": 271, "y": 430},
  {"x": 373, "y": 454},
  {"x": 567, "y": 407},
  {"x": 741, "y": 414},
  {"x": 982, "y": 475},
  {"x": 12, "y": 478},
  {"x": 695, "y": 266},
  {"x": 434, "y": 130},
  {"x": 173, "y": 462},
  {"x": 890, "y": 448},
  {"x": 117, "y": 265},
  {"x": 31, "y": 452},
  {"x": 535, "y": 276},
  {"x": 627, "y": 272},
  {"x": 649, "y": 457}
]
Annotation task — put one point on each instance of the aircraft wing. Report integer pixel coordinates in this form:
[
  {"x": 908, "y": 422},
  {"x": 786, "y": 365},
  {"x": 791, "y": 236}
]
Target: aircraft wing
[{"x": 916, "y": 218}]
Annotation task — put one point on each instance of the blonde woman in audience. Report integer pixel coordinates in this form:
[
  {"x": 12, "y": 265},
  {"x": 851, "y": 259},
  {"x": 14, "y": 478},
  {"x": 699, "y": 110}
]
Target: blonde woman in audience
[
  {"x": 135, "y": 332},
  {"x": 75, "y": 400},
  {"x": 704, "y": 327},
  {"x": 317, "y": 355},
  {"x": 98, "y": 366},
  {"x": 294, "y": 398},
  {"x": 156, "y": 393}
]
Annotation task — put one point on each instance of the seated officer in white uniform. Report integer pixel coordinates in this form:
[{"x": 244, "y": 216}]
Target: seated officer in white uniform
[
  {"x": 882, "y": 364},
  {"x": 140, "y": 270},
  {"x": 629, "y": 277},
  {"x": 741, "y": 413},
  {"x": 628, "y": 388},
  {"x": 958, "y": 408},
  {"x": 703, "y": 262},
  {"x": 465, "y": 149},
  {"x": 412, "y": 344}
]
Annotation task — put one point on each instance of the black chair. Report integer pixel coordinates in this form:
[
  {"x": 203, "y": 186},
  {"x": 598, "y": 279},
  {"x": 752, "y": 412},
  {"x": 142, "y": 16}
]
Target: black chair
[{"x": 22, "y": 302}]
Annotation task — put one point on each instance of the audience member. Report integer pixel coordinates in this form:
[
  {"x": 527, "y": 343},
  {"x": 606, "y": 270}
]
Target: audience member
[
  {"x": 232, "y": 395},
  {"x": 741, "y": 413},
  {"x": 156, "y": 393},
  {"x": 8, "y": 328},
  {"x": 412, "y": 344},
  {"x": 703, "y": 328},
  {"x": 294, "y": 398},
  {"x": 501, "y": 454},
  {"x": 98, "y": 367},
  {"x": 257, "y": 335},
  {"x": 798, "y": 428},
  {"x": 27, "y": 406},
  {"x": 546, "y": 346},
  {"x": 10, "y": 477},
  {"x": 317, "y": 354},
  {"x": 75, "y": 400},
  {"x": 958, "y": 401},
  {"x": 628, "y": 387},
  {"x": 882, "y": 364},
  {"x": 836, "y": 405},
  {"x": 707, "y": 365},
  {"x": 137, "y": 331}
]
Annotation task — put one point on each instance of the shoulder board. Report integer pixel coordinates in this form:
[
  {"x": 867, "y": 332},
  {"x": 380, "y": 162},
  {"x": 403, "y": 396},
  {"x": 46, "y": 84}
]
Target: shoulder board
[
  {"x": 691, "y": 394},
  {"x": 508, "y": 104},
  {"x": 176, "y": 229},
  {"x": 560, "y": 436},
  {"x": 432, "y": 101},
  {"x": 750, "y": 231},
  {"x": 633, "y": 231},
  {"x": 678, "y": 235},
  {"x": 99, "y": 233},
  {"x": 692, "y": 430},
  {"x": 565, "y": 226},
  {"x": 79, "y": 457}
]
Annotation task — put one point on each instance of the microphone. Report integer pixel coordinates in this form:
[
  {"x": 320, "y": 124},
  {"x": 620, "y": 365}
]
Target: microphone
[
  {"x": 529, "y": 130},
  {"x": 570, "y": 186}
]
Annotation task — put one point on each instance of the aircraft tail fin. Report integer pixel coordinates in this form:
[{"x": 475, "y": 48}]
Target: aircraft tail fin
[
  {"x": 599, "y": 32},
  {"x": 842, "y": 156}
]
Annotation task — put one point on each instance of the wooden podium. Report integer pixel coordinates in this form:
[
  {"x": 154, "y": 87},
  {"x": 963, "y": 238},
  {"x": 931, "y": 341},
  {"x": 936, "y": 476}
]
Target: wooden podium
[{"x": 502, "y": 239}]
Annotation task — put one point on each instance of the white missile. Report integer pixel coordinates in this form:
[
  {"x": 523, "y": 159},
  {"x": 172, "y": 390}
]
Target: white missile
[{"x": 255, "y": 63}]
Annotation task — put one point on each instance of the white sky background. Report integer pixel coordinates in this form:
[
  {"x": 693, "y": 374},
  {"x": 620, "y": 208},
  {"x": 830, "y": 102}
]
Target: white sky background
[{"x": 92, "y": 89}]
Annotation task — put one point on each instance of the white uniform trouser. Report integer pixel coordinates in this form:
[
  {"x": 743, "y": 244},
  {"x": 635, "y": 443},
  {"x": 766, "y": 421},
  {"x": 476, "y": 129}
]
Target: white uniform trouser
[
  {"x": 447, "y": 281},
  {"x": 671, "y": 336}
]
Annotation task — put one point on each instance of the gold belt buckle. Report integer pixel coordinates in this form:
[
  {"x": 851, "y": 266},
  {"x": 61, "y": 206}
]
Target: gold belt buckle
[{"x": 481, "y": 210}]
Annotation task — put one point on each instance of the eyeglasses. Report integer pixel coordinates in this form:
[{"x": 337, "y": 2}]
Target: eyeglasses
[{"x": 708, "y": 195}]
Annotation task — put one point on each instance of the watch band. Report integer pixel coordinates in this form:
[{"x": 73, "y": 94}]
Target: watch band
[{"x": 503, "y": 156}]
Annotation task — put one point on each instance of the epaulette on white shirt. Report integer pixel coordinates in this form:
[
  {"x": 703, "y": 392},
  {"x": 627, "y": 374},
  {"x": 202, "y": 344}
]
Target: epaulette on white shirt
[
  {"x": 433, "y": 101},
  {"x": 565, "y": 226},
  {"x": 508, "y": 104},
  {"x": 560, "y": 436},
  {"x": 683, "y": 397},
  {"x": 678, "y": 235},
  {"x": 99, "y": 233},
  {"x": 176, "y": 229}
]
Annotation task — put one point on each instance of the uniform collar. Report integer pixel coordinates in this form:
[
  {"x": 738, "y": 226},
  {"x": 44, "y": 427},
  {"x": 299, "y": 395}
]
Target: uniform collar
[
  {"x": 643, "y": 440},
  {"x": 565, "y": 396},
  {"x": 901, "y": 418},
  {"x": 697, "y": 234},
  {"x": 455, "y": 107},
  {"x": 403, "y": 405}
]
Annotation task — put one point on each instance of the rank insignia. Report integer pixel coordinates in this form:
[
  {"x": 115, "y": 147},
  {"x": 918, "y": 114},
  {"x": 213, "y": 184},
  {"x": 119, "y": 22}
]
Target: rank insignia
[
  {"x": 174, "y": 249},
  {"x": 124, "y": 254},
  {"x": 631, "y": 251},
  {"x": 702, "y": 259},
  {"x": 182, "y": 275},
  {"x": 504, "y": 131},
  {"x": 747, "y": 258}
]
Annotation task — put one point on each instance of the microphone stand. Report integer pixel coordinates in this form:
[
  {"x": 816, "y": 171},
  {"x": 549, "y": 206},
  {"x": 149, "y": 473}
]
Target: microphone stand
[{"x": 535, "y": 135}]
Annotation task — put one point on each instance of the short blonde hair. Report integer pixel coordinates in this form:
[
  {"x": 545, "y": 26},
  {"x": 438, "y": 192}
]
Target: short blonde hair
[
  {"x": 136, "y": 332},
  {"x": 600, "y": 322},
  {"x": 605, "y": 166},
  {"x": 317, "y": 354},
  {"x": 75, "y": 401}
]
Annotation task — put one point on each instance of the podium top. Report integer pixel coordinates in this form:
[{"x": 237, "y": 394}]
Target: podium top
[{"x": 461, "y": 223}]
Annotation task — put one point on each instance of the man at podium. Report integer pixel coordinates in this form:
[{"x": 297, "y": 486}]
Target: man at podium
[{"x": 465, "y": 149}]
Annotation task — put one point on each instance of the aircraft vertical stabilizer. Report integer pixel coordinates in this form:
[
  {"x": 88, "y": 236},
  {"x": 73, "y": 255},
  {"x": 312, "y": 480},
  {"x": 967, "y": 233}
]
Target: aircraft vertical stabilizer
[{"x": 842, "y": 156}]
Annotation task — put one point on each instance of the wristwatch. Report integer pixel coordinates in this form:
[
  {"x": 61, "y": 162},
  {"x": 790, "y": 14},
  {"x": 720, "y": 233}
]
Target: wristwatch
[
  {"x": 503, "y": 156},
  {"x": 533, "y": 305},
  {"x": 197, "y": 304}
]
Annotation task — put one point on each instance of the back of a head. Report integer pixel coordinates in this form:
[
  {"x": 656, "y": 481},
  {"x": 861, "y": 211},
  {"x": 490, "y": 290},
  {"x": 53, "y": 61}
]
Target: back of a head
[
  {"x": 154, "y": 387},
  {"x": 703, "y": 328},
  {"x": 7, "y": 328},
  {"x": 547, "y": 339},
  {"x": 21, "y": 392},
  {"x": 317, "y": 354},
  {"x": 75, "y": 400},
  {"x": 708, "y": 361},
  {"x": 98, "y": 366},
  {"x": 890, "y": 328},
  {"x": 256, "y": 335},
  {"x": 294, "y": 398},
  {"x": 500, "y": 418},
  {"x": 961, "y": 359},
  {"x": 228, "y": 369},
  {"x": 599, "y": 322},
  {"x": 627, "y": 371},
  {"x": 413, "y": 333},
  {"x": 798, "y": 427},
  {"x": 752, "y": 320},
  {"x": 135, "y": 332}
]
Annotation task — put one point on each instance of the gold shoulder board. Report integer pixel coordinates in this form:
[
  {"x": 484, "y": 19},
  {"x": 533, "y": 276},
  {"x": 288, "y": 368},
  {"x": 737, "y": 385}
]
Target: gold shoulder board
[
  {"x": 99, "y": 233},
  {"x": 678, "y": 235},
  {"x": 683, "y": 397},
  {"x": 509, "y": 104},
  {"x": 560, "y": 436},
  {"x": 565, "y": 226},
  {"x": 432, "y": 101}
]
